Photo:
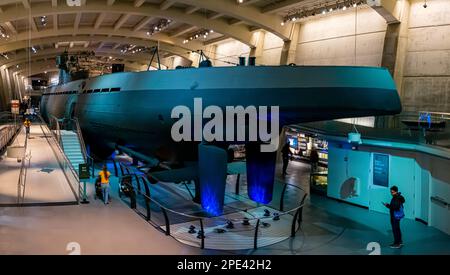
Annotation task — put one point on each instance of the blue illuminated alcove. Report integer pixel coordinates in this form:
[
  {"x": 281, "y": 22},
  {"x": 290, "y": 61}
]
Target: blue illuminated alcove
[
  {"x": 212, "y": 176},
  {"x": 260, "y": 173}
]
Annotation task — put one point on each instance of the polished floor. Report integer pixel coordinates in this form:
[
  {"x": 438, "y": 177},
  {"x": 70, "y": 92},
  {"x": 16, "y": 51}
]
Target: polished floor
[
  {"x": 329, "y": 227},
  {"x": 45, "y": 181}
]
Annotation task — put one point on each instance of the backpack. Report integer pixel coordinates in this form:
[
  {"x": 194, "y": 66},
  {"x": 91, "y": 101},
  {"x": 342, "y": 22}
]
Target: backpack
[{"x": 399, "y": 214}]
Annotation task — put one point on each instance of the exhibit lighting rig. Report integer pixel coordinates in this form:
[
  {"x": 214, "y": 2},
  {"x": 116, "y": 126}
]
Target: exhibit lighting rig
[{"x": 298, "y": 14}]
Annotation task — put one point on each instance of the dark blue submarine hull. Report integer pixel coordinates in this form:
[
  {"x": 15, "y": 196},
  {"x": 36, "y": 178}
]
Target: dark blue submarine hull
[{"x": 139, "y": 115}]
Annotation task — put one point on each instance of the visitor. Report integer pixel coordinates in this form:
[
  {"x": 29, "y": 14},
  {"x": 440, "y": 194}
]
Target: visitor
[
  {"x": 286, "y": 153},
  {"x": 104, "y": 181},
  {"x": 27, "y": 124},
  {"x": 396, "y": 214},
  {"x": 314, "y": 159}
]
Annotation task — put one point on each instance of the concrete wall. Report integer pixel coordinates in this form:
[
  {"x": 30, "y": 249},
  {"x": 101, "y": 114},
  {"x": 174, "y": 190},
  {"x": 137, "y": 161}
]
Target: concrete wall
[
  {"x": 331, "y": 40},
  {"x": 426, "y": 80},
  {"x": 268, "y": 51}
]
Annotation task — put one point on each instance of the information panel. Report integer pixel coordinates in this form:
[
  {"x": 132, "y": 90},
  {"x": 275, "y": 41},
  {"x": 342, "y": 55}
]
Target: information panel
[{"x": 381, "y": 170}]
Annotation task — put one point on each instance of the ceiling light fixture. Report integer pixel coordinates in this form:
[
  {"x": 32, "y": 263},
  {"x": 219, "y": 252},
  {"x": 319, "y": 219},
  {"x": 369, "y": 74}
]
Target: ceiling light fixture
[{"x": 339, "y": 5}]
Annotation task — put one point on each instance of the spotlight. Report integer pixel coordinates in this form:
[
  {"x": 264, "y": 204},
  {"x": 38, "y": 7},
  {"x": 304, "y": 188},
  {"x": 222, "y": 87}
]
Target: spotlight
[
  {"x": 282, "y": 23},
  {"x": 276, "y": 216},
  {"x": 192, "y": 230},
  {"x": 230, "y": 225},
  {"x": 200, "y": 234}
]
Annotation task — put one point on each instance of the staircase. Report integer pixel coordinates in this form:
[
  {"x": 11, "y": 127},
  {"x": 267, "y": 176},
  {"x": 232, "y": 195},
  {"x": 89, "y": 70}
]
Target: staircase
[{"x": 72, "y": 148}]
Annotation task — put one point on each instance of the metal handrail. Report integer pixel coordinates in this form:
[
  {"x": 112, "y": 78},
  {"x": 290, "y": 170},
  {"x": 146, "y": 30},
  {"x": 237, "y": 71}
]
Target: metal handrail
[
  {"x": 58, "y": 129},
  {"x": 87, "y": 158},
  {"x": 23, "y": 173},
  {"x": 296, "y": 221}
]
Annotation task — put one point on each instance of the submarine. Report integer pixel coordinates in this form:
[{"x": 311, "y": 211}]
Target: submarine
[
  {"x": 132, "y": 111},
  {"x": 134, "y": 108}
]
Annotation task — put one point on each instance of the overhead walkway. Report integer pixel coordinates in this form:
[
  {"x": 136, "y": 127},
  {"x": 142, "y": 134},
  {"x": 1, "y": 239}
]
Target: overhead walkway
[{"x": 41, "y": 178}]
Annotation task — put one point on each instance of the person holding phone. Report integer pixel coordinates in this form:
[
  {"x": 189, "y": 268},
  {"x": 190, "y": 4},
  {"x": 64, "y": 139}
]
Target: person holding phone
[{"x": 396, "y": 214}]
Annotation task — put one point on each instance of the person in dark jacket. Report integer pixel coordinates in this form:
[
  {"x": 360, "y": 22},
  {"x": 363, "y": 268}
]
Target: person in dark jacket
[
  {"x": 396, "y": 203},
  {"x": 286, "y": 153}
]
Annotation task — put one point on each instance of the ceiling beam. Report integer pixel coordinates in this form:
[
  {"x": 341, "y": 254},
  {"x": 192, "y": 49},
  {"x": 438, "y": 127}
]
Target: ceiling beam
[
  {"x": 166, "y": 4},
  {"x": 138, "y": 3},
  {"x": 191, "y": 10},
  {"x": 76, "y": 25},
  {"x": 47, "y": 38},
  {"x": 182, "y": 31},
  {"x": 216, "y": 15},
  {"x": 33, "y": 24},
  {"x": 240, "y": 33},
  {"x": 99, "y": 20},
  {"x": 122, "y": 20},
  {"x": 26, "y": 4},
  {"x": 55, "y": 22},
  {"x": 281, "y": 6},
  {"x": 250, "y": 14},
  {"x": 249, "y": 2},
  {"x": 142, "y": 24},
  {"x": 11, "y": 27}
]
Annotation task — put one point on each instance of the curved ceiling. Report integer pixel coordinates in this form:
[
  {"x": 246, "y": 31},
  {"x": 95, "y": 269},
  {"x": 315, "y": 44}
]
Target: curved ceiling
[{"x": 35, "y": 30}]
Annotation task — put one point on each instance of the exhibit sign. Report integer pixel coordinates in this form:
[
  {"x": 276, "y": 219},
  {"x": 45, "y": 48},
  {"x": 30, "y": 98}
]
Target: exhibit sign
[
  {"x": 381, "y": 170},
  {"x": 83, "y": 171},
  {"x": 15, "y": 107}
]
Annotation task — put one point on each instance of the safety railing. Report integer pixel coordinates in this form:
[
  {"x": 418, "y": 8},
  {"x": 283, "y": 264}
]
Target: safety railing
[
  {"x": 56, "y": 129},
  {"x": 10, "y": 125},
  {"x": 136, "y": 188},
  {"x": 64, "y": 163},
  {"x": 87, "y": 158},
  {"x": 25, "y": 164}
]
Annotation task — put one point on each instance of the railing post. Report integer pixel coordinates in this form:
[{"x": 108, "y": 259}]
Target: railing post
[
  {"x": 255, "y": 240},
  {"x": 238, "y": 179},
  {"x": 294, "y": 221},
  {"x": 202, "y": 245},
  {"x": 166, "y": 218},
  {"x": 147, "y": 199},
  {"x": 116, "y": 172},
  {"x": 282, "y": 198}
]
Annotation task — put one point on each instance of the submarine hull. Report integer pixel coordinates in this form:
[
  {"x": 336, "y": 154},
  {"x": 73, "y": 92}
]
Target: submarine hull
[{"x": 134, "y": 109}]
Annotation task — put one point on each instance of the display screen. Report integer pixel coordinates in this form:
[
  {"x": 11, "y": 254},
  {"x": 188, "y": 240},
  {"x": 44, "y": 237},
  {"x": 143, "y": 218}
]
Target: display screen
[
  {"x": 293, "y": 142},
  {"x": 381, "y": 170}
]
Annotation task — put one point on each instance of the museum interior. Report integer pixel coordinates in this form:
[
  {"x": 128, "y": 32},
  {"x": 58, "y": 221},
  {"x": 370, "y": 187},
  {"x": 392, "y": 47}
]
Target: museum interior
[{"x": 224, "y": 127}]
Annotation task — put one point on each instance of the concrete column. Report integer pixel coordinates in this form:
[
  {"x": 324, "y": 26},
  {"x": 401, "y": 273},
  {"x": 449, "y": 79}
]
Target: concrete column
[
  {"x": 3, "y": 100},
  {"x": 5, "y": 89},
  {"x": 258, "y": 41},
  {"x": 289, "y": 48},
  {"x": 402, "y": 46}
]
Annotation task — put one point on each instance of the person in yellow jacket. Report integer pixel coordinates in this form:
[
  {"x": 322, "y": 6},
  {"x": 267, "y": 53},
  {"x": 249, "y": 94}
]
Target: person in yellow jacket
[
  {"x": 104, "y": 181},
  {"x": 27, "y": 124}
]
